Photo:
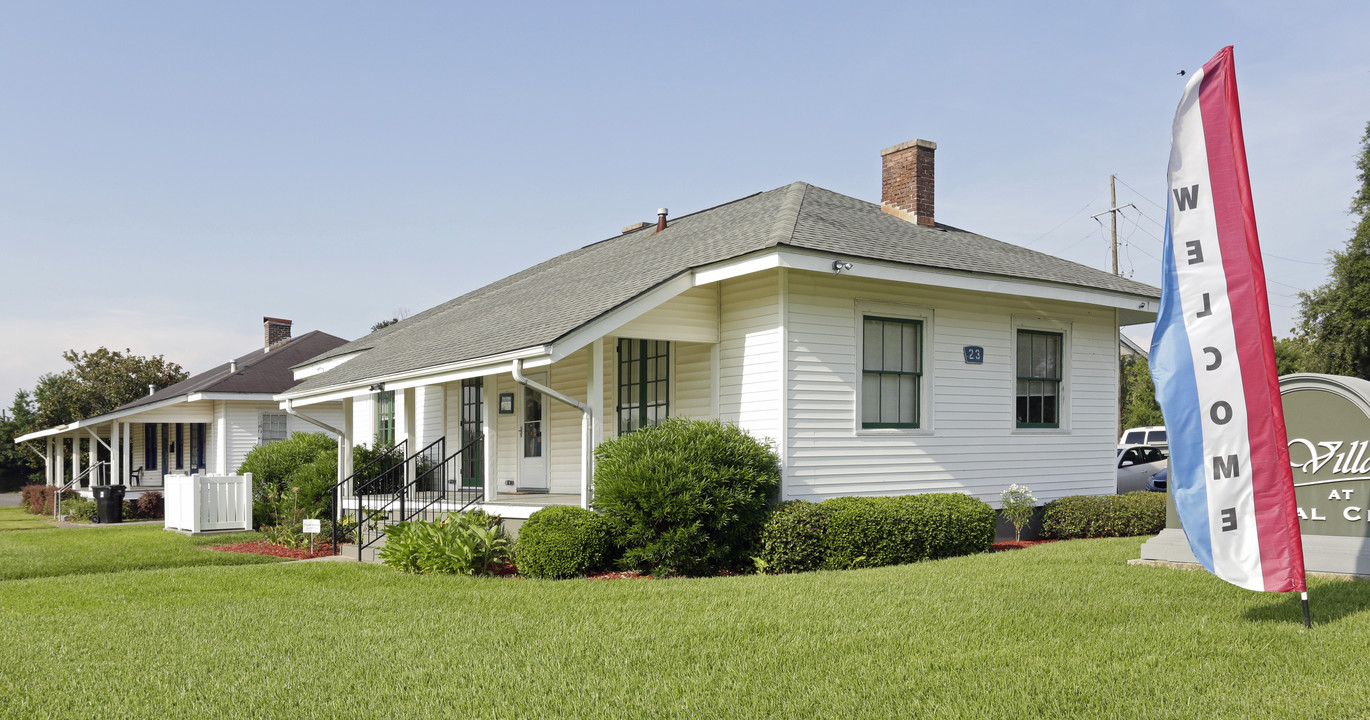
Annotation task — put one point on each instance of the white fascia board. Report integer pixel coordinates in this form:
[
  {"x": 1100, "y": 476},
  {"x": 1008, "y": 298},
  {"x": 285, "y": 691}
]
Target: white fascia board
[
  {"x": 955, "y": 279},
  {"x": 101, "y": 419},
  {"x": 415, "y": 378},
  {"x": 318, "y": 368},
  {"x": 622, "y": 315},
  {"x": 247, "y": 397}
]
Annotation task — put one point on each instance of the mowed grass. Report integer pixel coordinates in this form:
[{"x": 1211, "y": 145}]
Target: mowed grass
[
  {"x": 13, "y": 518},
  {"x": 1064, "y": 630},
  {"x": 50, "y": 551}
]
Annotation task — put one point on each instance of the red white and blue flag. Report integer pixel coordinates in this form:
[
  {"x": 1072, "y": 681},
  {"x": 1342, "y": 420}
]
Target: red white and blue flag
[{"x": 1212, "y": 357}]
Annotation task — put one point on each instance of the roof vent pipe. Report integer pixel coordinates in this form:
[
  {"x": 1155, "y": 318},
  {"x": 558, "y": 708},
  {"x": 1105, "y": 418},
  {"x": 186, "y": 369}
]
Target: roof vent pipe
[
  {"x": 661, "y": 219},
  {"x": 151, "y": 388},
  {"x": 232, "y": 367}
]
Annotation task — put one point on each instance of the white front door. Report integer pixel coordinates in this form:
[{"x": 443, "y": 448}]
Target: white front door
[{"x": 533, "y": 444}]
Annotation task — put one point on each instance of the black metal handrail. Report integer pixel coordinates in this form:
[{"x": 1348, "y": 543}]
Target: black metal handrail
[
  {"x": 457, "y": 480},
  {"x": 380, "y": 466},
  {"x": 383, "y": 495}
]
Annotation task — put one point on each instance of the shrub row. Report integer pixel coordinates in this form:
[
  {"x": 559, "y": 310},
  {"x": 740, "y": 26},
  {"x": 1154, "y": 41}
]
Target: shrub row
[
  {"x": 37, "y": 499},
  {"x": 1083, "y": 516},
  {"x": 850, "y": 532}
]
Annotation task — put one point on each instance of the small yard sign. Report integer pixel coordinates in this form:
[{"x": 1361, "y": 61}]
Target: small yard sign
[
  {"x": 312, "y": 526},
  {"x": 974, "y": 354}
]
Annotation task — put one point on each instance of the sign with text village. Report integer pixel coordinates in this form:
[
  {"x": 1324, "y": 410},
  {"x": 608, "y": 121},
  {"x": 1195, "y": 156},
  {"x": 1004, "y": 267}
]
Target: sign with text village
[{"x": 1212, "y": 358}]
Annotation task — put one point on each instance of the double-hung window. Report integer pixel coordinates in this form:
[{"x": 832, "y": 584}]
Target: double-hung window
[
  {"x": 643, "y": 383},
  {"x": 385, "y": 418},
  {"x": 891, "y": 372},
  {"x": 1039, "y": 379}
]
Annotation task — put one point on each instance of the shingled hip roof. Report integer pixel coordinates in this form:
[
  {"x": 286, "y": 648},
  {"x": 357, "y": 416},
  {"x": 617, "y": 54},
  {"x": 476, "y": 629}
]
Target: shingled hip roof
[{"x": 547, "y": 302}]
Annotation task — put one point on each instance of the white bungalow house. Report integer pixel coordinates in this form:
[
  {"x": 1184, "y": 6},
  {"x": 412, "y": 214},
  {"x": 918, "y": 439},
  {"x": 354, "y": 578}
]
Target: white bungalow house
[
  {"x": 882, "y": 353},
  {"x": 204, "y": 424}
]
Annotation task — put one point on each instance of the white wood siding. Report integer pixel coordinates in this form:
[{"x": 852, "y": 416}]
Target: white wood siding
[
  {"x": 570, "y": 378},
  {"x": 692, "y": 380},
  {"x": 429, "y": 411},
  {"x": 364, "y": 421},
  {"x": 689, "y": 316},
  {"x": 968, "y": 442},
  {"x": 750, "y": 364},
  {"x": 506, "y": 437}
]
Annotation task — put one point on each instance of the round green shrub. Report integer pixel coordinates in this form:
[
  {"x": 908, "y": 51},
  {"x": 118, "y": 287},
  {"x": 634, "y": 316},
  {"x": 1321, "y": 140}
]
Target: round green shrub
[
  {"x": 686, "y": 497},
  {"x": 1094, "y": 516},
  {"x": 563, "y": 541},
  {"x": 792, "y": 540}
]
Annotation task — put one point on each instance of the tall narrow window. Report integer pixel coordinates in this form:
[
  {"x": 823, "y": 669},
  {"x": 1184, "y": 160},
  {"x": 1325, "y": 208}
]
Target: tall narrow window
[
  {"x": 273, "y": 427},
  {"x": 197, "y": 446},
  {"x": 643, "y": 383},
  {"x": 472, "y": 399},
  {"x": 178, "y": 447},
  {"x": 891, "y": 372},
  {"x": 1039, "y": 379},
  {"x": 385, "y": 418}
]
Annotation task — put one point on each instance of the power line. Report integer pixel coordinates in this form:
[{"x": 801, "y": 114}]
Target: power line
[{"x": 1063, "y": 222}]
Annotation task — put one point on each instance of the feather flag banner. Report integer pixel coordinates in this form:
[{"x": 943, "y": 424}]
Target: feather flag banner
[{"x": 1212, "y": 356}]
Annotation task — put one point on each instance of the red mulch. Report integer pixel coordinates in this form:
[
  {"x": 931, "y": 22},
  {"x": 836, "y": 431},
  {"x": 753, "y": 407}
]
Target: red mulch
[
  {"x": 620, "y": 575},
  {"x": 260, "y": 547},
  {"x": 1018, "y": 545}
]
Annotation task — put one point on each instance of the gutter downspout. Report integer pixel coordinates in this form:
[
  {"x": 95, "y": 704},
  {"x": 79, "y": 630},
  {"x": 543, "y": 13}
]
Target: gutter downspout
[
  {"x": 586, "y": 428},
  {"x": 289, "y": 408}
]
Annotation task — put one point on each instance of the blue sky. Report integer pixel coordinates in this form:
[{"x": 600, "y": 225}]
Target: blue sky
[{"x": 172, "y": 172}]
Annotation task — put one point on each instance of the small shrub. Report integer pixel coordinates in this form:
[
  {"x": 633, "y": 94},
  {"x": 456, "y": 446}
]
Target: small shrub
[
  {"x": 1017, "y": 505},
  {"x": 150, "y": 506},
  {"x": 79, "y": 509},
  {"x": 301, "y": 470},
  {"x": 37, "y": 499},
  {"x": 458, "y": 544},
  {"x": 563, "y": 541},
  {"x": 685, "y": 497},
  {"x": 793, "y": 538},
  {"x": 1095, "y": 516}
]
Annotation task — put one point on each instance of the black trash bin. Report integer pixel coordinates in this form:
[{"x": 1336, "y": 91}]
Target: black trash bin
[{"x": 109, "y": 503}]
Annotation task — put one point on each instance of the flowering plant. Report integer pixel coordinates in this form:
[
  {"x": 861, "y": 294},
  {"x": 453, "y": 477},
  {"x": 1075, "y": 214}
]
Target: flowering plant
[{"x": 1017, "y": 507}]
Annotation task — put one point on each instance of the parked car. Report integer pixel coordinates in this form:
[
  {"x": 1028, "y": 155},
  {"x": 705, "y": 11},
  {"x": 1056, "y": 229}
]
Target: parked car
[
  {"x": 1153, "y": 435},
  {"x": 1157, "y": 482},
  {"x": 1136, "y": 463}
]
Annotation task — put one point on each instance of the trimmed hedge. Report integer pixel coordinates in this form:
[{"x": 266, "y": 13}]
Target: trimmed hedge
[
  {"x": 686, "y": 497},
  {"x": 1086, "y": 516},
  {"x": 850, "y": 532},
  {"x": 37, "y": 499},
  {"x": 563, "y": 541},
  {"x": 794, "y": 537}
]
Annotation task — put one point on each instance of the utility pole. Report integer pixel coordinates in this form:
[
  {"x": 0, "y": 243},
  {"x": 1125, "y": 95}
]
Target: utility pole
[{"x": 1113, "y": 200}]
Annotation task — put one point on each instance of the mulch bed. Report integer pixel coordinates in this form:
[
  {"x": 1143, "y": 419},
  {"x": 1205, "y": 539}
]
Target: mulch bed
[
  {"x": 620, "y": 575},
  {"x": 265, "y": 548},
  {"x": 1018, "y": 545}
]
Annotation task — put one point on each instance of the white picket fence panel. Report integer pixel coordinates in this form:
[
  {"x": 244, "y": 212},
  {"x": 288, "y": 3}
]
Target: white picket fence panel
[{"x": 200, "y": 503}]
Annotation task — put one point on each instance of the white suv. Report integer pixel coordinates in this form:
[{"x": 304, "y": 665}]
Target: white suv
[{"x": 1154, "y": 435}]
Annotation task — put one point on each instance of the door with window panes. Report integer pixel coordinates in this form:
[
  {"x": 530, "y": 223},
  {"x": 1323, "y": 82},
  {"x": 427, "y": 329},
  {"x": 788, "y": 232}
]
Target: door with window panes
[{"x": 533, "y": 438}]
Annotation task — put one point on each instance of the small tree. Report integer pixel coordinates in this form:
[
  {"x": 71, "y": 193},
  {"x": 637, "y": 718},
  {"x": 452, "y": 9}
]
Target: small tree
[
  {"x": 1017, "y": 507},
  {"x": 1139, "y": 407}
]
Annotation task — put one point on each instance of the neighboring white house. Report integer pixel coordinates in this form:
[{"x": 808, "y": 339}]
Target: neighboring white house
[
  {"x": 204, "y": 424},
  {"x": 881, "y": 352}
]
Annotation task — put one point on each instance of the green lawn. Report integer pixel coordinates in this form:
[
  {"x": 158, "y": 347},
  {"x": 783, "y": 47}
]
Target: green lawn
[
  {"x": 13, "y": 518},
  {"x": 1063, "y": 630},
  {"x": 52, "y": 551}
]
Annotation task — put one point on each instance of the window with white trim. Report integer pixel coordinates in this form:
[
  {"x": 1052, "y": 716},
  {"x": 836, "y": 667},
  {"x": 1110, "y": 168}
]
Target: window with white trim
[
  {"x": 643, "y": 383},
  {"x": 1038, "y": 402},
  {"x": 891, "y": 372},
  {"x": 273, "y": 428}
]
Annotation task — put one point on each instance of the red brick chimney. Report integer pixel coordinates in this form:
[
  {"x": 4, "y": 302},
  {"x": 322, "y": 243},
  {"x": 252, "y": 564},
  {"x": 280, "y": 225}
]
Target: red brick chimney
[
  {"x": 906, "y": 187},
  {"x": 277, "y": 331}
]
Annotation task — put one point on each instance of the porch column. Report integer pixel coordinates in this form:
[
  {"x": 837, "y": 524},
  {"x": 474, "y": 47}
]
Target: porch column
[
  {"x": 220, "y": 437},
  {"x": 595, "y": 399},
  {"x": 488, "y": 422},
  {"x": 115, "y": 466},
  {"x": 345, "y": 467},
  {"x": 75, "y": 456},
  {"x": 127, "y": 477},
  {"x": 47, "y": 462},
  {"x": 59, "y": 468}
]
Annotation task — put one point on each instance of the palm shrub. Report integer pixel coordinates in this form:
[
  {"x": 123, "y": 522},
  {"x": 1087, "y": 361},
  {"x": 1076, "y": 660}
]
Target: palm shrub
[
  {"x": 685, "y": 497},
  {"x": 563, "y": 541},
  {"x": 1017, "y": 505}
]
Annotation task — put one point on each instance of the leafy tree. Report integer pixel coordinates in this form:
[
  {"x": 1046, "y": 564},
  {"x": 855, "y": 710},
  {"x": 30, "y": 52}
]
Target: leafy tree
[
  {"x": 1138, "y": 394},
  {"x": 99, "y": 382},
  {"x": 1290, "y": 355},
  {"x": 1334, "y": 319},
  {"x": 18, "y": 466}
]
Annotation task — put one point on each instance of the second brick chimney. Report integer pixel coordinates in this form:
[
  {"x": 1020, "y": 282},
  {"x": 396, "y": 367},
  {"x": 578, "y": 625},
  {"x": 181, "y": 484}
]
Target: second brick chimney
[
  {"x": 277, "y": 331},
  {"x": 906, "y": 186}
]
